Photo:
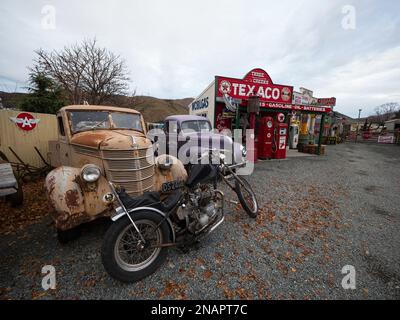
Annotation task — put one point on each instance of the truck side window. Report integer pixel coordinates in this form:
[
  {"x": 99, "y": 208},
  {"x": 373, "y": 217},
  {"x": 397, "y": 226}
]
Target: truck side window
[{"x": 61, "y": 126}]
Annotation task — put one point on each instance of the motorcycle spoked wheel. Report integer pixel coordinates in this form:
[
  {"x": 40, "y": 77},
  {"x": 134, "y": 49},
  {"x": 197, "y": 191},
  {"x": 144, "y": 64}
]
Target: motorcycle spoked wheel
[
  {"x": 246, "y": 196},
  {"x": 123, "y": 256}
]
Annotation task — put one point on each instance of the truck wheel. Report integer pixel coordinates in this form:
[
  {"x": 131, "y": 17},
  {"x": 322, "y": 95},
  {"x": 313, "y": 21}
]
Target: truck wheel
[
  {"x": 16, "y": 199},
  {"x": 65, "y": 236},
  {"x": 123, "y": 254}
]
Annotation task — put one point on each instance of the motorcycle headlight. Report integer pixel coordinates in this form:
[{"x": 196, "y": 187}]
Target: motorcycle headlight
[{"x": 90, "y": 173}]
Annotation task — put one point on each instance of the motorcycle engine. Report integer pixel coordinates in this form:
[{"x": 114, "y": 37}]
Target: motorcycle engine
[{"x": 201, "y": 208}]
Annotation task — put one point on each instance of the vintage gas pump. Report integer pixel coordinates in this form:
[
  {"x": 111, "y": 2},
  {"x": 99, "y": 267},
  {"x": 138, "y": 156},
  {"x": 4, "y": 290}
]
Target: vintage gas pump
[
  {"x": 265, "y": 138},
  {"x": 293, "y": 136},
  {"x": 253, "y": 108},
  {"x": 281, "y": 131}
]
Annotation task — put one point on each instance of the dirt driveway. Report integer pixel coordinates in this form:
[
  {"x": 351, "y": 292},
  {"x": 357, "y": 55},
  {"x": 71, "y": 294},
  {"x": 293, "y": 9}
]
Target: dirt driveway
[{"x": 318, "y": 215}]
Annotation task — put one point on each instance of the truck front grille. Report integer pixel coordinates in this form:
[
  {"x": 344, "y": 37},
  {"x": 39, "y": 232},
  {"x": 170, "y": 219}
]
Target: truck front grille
[{"x": 131, "y": 169}]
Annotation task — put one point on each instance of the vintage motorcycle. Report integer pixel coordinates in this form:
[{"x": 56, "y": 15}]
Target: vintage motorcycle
[{"x": 144, "y": 227}]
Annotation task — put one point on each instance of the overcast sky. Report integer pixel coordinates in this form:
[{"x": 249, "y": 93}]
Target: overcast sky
[{"x": 173, "y": 48}]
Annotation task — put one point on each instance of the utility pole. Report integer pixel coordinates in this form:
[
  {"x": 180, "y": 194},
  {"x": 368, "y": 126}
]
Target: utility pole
[{"x": 358, "y": 124}]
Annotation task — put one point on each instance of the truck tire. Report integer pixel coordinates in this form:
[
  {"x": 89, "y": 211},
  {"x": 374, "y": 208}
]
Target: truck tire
[{"x": 121, "y": 244}]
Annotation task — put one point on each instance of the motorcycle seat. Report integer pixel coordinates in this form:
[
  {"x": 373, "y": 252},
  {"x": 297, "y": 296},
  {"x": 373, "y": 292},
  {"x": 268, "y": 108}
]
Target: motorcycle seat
[
  {"x": 147, "y": 199},
  {"x": 171, "y": 200},
  {"x": 151, "y": 199}
]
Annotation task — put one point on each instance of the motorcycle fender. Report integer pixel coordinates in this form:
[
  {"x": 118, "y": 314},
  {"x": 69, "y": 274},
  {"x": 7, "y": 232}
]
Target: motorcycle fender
[
  {"x": 120, "y": 213},
  {"x": 72, "y": 203}
]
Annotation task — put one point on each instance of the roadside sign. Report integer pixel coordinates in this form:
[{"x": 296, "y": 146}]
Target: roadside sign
[{"x": 386, "y": 139}]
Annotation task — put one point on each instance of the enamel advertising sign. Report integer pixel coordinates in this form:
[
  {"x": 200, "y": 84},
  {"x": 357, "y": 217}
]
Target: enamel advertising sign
[
  {"x": 326, "y": 101},
  {"x": 256, "y": 82},
  {"x": 295, "y": 107},
  {"x": 25, "y": 121}
]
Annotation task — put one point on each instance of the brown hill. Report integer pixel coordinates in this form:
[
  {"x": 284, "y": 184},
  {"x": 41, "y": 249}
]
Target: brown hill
[
  {"x": 11, "y": 100},
  {"x": 153, "y": 109}
]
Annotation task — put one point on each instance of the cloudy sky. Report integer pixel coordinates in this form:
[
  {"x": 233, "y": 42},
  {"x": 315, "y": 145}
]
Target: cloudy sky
[{"x": 173, "y": 49}]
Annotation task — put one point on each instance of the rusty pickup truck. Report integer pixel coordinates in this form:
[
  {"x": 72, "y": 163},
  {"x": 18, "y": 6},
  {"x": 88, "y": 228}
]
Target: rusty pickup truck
[{"x": 97, "y": 145}]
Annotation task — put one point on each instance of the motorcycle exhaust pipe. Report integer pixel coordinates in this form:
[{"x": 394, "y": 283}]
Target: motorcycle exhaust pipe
[{"x": 216, "y": 225}]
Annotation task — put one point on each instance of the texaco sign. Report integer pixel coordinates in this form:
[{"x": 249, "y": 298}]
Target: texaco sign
[
  {"x": 25, "y": 121},
  {"x": 256, "y": 82}
]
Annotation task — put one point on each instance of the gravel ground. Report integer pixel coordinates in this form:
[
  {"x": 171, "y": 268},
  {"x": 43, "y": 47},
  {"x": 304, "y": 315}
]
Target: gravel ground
[{"x": 318, "y": 214}]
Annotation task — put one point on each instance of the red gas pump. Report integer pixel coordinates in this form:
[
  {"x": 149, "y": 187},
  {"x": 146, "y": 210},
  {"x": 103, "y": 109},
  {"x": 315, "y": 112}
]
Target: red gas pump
[
  {"x": 280, "y": 137},
  {"x": 265, "y": 138}
]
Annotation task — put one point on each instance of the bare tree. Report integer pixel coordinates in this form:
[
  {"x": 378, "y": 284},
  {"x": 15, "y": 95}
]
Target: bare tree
[
  {"x": 386, "y": 111},
  {"x": 85, "y": 71}
]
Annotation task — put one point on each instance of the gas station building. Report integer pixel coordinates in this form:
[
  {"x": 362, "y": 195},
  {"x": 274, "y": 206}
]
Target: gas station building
[{"x": 280, "y": 116}]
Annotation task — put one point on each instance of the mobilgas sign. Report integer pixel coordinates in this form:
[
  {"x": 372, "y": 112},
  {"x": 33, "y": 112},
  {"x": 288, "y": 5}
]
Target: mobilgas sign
[
  {"x": 200, "y": 104},
  {"x": 256, "y": 82}
]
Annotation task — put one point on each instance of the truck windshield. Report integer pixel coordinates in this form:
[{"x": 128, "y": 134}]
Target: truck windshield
[
  {"x": 92, "y": 120},
  {"x": 195, "y": 125}
]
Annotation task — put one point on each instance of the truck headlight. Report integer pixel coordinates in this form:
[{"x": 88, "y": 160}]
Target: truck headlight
[
  {"x": 90, "y": 173},
  {"x": 164, "y": 162}
]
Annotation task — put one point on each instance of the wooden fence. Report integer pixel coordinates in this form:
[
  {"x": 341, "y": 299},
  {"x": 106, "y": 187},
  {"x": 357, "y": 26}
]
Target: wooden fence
[{"x": 24, "y": 142}]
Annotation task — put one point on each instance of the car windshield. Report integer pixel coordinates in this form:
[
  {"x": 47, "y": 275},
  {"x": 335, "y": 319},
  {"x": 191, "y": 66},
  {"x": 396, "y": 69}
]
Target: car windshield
[
  {"x": 195, "y": 125},
  {"x": 92, "y": 120}
]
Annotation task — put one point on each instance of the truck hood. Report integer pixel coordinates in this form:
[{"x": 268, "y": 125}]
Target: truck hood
[{"x": 111, "y": 139}]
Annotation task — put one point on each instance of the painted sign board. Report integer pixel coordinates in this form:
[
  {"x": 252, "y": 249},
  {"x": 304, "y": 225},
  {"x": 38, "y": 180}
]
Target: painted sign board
[
  {"x": 200, "y": 104},
  {"x": 305, "y": 97},
  {"x": 256, "y": 82},
  {"x": 295, "y": 107},
  {"x": 25, "y": 121},
  {"x": 386, "y": 139},
  {"x": 326, "y": 101}
]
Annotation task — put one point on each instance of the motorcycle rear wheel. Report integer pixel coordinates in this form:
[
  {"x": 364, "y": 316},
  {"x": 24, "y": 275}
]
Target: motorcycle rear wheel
[
  {"x": 246, "y": 196},
  {"x": 122, "y": 255}
]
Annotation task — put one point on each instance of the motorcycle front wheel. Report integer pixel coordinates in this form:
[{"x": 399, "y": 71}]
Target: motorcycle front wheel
[
  {"x": 246, "y": 196},
  {"x": 124, "y": 255}
]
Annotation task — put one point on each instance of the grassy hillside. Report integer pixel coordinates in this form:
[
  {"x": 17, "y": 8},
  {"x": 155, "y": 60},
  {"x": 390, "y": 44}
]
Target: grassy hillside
[{"x": 153, "y": 109}]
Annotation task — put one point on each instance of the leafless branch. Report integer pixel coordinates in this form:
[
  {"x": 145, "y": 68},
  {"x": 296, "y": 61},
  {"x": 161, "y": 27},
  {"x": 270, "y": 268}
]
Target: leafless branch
[{"x": 85, "y": 71}]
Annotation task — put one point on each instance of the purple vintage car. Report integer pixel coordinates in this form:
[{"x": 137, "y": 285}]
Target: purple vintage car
[{"x": 188, "y": 136}]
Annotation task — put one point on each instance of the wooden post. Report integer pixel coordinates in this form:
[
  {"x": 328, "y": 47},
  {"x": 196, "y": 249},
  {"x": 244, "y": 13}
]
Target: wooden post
[
  {"x": 321, "y": 128},
  {"x": 237, "y": 119}
]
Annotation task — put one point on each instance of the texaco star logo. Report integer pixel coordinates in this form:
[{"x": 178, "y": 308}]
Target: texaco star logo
[
  {"x": 225, "y": 87},
  {"x": 25, "y": 121},
  {"x": 285, "y": 93}
]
